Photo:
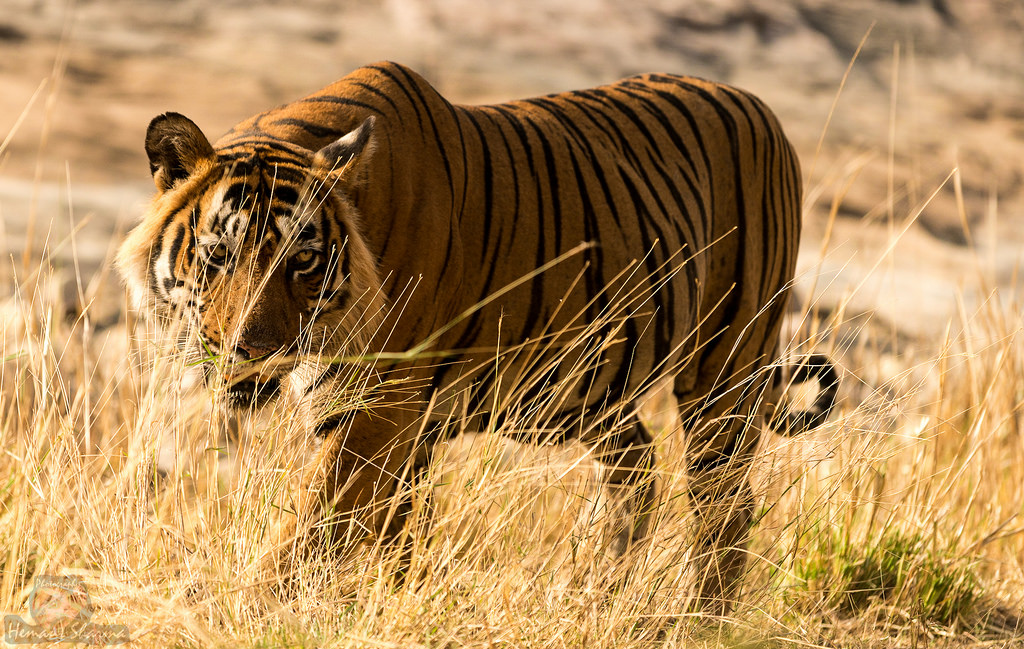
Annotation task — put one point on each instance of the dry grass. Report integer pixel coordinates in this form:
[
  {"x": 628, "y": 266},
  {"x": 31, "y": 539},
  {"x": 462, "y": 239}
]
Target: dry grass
[{"x": 895, "y": 524}]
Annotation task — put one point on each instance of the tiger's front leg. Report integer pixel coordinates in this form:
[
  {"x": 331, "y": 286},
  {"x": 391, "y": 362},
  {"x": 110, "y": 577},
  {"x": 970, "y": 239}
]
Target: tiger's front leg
[
  {"x": 345, "y": 493},
  {"x": 628, "y": 492}
]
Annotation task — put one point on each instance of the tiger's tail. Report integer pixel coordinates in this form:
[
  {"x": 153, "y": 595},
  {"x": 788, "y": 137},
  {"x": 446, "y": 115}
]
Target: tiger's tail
[{"x": 815, "y": 367}]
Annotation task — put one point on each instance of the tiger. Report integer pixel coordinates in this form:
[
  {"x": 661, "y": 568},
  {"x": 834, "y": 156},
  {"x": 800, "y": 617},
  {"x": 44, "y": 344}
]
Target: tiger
[{"x": 599, "y": 238}]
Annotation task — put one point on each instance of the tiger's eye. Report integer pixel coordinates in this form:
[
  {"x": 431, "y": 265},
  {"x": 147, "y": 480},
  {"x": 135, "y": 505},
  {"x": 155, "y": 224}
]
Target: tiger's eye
[
  {"x": 304, "y": 257},
  {"x": 217, "y": 252}
]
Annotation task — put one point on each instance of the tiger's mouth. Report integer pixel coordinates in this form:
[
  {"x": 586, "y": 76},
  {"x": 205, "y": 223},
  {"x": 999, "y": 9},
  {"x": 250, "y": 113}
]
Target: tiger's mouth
[
  {"x": 246, "y": 388},
  {"x": 253, "y": 393}
]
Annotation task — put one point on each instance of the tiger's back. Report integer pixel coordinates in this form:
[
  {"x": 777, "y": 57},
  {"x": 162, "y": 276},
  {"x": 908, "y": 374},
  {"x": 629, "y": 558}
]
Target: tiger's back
[{"x": 691, "y": 196}]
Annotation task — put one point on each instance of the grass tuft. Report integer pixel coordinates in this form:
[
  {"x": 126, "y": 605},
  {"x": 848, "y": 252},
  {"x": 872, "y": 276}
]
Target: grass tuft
[{"x": 905, "y": 572}]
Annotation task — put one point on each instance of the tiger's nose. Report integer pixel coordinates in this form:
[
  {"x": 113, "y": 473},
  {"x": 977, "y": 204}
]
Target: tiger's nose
[{"x": 249, "y": 351}]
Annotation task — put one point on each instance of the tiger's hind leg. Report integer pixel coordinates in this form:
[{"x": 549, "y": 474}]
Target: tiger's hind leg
[
  {"x": 628, "y": 492},
  {"x": 719, "y": 454}
]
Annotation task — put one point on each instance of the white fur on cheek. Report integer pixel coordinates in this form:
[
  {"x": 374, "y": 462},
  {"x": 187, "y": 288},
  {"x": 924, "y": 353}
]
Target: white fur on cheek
[{"x": 138, "y": 292}]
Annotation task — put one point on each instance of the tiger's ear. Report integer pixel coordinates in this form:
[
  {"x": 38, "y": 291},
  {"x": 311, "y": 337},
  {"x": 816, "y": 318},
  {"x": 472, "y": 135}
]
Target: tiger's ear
[
  {"x": 175, "y": 147},
  {"x": 344, "y": 159}
]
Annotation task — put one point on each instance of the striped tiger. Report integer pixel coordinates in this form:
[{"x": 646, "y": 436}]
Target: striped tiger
[{"x": 599, "y": 240}]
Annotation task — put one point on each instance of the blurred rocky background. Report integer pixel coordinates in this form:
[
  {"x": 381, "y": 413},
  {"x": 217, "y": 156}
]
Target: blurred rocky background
[{"x": 917, "y": 155}]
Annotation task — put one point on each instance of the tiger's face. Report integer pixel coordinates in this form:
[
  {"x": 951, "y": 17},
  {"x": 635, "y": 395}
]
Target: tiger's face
[{"x": 256, "y": 250}]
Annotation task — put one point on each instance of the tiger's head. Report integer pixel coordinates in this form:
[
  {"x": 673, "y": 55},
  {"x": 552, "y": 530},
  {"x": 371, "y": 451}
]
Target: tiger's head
[{"x": 256, "y": 249}]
